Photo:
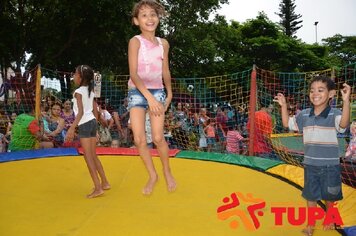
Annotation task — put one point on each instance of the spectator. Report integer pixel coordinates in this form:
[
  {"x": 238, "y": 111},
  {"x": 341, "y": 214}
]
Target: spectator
[
  {"x": 210, "y": 133},
  {"x": 51, "y": 100},
  {"x": 9, "y": 125},
  {"x": 221, "y": 122},
  {"x": 180, "y": 134},
  {"x": 25, "y": 132},
  {"x": 56, "y": 125},
  {"x": 105, "y": 123},
  {"x": 351, "y": 149},
  {"x": 200, "y": 121},
  {"x": 262, "y": 132},
  {"x": 3, "y": 140},
  {"x": 45, "y": 117},
  {"x": 106, "y": 118},
  {"x": 115, "y": 143},
  {"x": 170, "y": 123},
  {"x": 234, "y": 141},
  {"x": 121, "y": 120},
  {"x": 182, "y": 116},
  {"x": 67, "y": 114}
]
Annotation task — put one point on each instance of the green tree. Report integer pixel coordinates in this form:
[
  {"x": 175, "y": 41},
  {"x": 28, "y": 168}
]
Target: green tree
[
  {"x": 63, "y": 34},
  {"x": 91, "y": 32},
  {"x": 192, "y": 48},
  {"x": 289, "y": 19},
  {"x": 16, "y": 20},
  {"x": 265, "y": 45},
  {"x": 342, "y": 49}
]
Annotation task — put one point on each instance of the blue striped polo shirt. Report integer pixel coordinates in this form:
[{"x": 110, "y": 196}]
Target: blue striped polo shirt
[{"x": 321, "y": 147}]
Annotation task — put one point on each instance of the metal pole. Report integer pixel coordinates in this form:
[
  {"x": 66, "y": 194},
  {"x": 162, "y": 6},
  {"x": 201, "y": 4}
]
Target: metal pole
[
  {"x": 316, "y": 31},
  {"x": 252, "y": 109}
]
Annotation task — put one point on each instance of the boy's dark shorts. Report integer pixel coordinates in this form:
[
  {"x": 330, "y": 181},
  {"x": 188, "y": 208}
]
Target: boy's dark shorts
[
  {"x": 88, "y": 129},
  {"x": 322, "y": 183}
]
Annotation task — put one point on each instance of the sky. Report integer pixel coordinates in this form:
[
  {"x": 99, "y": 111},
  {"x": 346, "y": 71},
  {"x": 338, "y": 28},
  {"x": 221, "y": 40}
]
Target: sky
[{"x": 334, "y": 16}]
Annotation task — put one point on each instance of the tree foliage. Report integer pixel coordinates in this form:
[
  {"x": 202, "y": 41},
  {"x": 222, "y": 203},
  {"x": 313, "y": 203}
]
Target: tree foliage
[
  {"x": 289, "y": 19},
  {"x": 16, "y": 19},
  {"x": 60, "y": 34},
  {"x": 342, "y": 49},
  {"x": 63, "y": 34},
  {"x": 82, "y": 32}
]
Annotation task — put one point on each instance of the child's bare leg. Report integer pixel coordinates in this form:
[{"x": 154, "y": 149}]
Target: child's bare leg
[
  {"x": 99, "y": 167},
  {"x": 89, "y": 159},
  {"x": 330, "y": 226},
  {"x": 308, "y": 231},
  {"x": 163, "y": 149},
  {"x": 138, "y": 117},
  {"x": 146, "y": 157},
  {"x": 147, "y": 160},
  {"x": 157, "y": 124},
  {"x": 104, "y": 182}
]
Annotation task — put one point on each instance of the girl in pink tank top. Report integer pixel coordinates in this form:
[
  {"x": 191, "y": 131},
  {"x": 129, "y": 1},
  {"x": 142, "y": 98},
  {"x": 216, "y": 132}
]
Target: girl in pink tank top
[{"x": 148, "y": 64}]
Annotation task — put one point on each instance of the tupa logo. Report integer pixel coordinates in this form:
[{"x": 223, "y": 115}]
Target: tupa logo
[
  {"x": 250, "y": 219},
  {"x": 256, "y": 208}
]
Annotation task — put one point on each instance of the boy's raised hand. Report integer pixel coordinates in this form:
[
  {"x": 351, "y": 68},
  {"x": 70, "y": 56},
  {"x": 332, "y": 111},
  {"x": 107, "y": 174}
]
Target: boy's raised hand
[
  {"x": 280, "y": 99},
  {"x": 345, "y": 92}
]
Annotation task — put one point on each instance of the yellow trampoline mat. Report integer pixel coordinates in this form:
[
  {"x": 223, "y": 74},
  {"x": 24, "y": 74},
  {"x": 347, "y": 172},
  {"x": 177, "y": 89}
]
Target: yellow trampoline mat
[{"x": 47, "y": 197}]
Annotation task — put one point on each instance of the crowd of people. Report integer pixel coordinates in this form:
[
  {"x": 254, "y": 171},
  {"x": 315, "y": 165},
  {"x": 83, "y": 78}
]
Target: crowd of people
[
  {"x": 215, "y": 129},
  {"x": 211, "y": 128}
]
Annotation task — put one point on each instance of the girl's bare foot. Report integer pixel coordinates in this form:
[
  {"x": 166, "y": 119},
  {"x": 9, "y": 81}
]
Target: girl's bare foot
[
  {"x": 96, "y": 193},
  {"x": 308, "y": 231},
  {"x": 105, "y": 186},
  {"x": 147, "y": 190},
  {"x": 328, "y": 227},
  {"x": 171, "y": 182}
]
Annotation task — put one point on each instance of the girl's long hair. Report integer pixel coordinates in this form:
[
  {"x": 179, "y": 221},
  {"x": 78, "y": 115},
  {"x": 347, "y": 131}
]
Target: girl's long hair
[{"x": 87, "y": 75}]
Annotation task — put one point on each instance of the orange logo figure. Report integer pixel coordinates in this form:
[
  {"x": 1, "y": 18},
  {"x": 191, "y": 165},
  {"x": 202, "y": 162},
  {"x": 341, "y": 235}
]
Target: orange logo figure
[{"x": 250, "y": 220}]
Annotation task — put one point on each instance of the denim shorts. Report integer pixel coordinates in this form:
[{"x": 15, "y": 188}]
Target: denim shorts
[
  {"x": 322, "y": 183},
  {"x": 210, "y": 141},
  {"x": 136, "y": 99},
  {"x": 88, "y": 129}
]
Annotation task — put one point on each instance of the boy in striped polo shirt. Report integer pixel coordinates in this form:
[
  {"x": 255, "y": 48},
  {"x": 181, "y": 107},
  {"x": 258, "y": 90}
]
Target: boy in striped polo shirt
[{"x": 320, "y": 125}]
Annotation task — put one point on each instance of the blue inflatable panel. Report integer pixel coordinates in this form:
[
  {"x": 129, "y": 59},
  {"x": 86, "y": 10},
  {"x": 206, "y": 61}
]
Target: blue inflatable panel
[
  {"x": 38, "y": 153},
  {"x": 350, "y": 231}
]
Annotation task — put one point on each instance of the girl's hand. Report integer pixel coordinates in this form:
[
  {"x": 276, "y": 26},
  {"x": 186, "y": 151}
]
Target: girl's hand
[
  {"x": 345, "y": 92},
  {"x": 156, "y": 108},
  {"x": 280, "y": 99},
  {"x": 70, "y": 135},
  {"x": 45, "y": 138}
]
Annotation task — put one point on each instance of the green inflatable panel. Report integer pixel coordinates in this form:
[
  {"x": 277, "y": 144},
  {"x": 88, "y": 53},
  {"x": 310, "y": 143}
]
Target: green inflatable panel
[{"x": 248, "y": 161}]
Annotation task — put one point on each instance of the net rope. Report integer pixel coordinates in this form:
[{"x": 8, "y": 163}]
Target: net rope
[{"x": 224, "y": 100}]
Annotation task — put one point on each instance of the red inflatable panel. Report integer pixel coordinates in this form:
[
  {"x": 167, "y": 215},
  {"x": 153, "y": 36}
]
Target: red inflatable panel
[{"x": 127, "y": 151}]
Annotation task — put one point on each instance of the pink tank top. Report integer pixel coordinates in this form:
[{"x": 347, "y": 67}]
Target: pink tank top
[{"x": 150, "y": 61}]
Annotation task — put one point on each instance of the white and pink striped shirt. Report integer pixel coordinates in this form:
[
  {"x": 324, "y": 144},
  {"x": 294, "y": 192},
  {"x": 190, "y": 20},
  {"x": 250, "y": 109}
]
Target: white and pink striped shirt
[{"x": 233, "y": 138}]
